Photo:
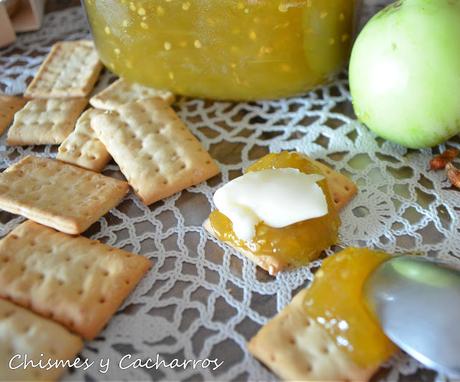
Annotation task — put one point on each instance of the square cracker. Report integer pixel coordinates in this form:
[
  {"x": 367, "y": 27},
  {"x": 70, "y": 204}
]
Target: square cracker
[
  {"x": 342, "y": 191},
  {"x": 70, "y": 70},
  {"x": 9, "y": 105},
  {"x": 45, "y": 121},
  {"x": 82, "y": 147},
  {"x": 156, "y": 152},
  {"x": 295, "y": 347},
  {"x": 122, "y": 91},
  {"x": 25, "y": 333},
  {"x": 57, "y": 194},
  {"x": 76, "y": 281}
]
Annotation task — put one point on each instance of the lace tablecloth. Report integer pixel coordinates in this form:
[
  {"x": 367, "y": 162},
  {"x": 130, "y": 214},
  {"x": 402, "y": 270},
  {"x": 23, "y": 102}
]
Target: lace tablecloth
[{"x": 202, "y": 300}]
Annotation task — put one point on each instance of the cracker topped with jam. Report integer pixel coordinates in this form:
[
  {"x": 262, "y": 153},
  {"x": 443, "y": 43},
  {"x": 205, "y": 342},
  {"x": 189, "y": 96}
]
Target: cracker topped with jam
[{"x": 282, "y": 243}]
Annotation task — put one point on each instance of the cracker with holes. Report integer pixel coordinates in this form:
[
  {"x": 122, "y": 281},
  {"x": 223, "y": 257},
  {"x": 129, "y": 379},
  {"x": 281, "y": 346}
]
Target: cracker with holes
[
  {"x": 274, "y": 225},
  {"x": 82, "y": 147},
  {"x": 77, "y": 282},
  {"x": 45, "y": 121},
  {"x": 70, "y": 70},
  {"x": 57, "y": 194},
  {"x": 343, "y": 190},
  {"x": 122, "y": 92},
  {"x": 9, "y": 105},
  {"x": 327, "y": 332},
  {"x": 155, "y": 151},
  {"x": 292, "y": 345},
  {"x": 28, "y": 335}
]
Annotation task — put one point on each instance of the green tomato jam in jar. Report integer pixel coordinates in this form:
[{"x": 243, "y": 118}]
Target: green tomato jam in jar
[{"x": 224, "y": 49}]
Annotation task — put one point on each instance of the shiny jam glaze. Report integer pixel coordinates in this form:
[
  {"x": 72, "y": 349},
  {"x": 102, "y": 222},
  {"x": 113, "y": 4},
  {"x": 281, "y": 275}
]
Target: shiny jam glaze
[
  {"x": 335, "y": 300},
  {"x": 296, "y": 244},
  {"x": 225, "y": 49}
]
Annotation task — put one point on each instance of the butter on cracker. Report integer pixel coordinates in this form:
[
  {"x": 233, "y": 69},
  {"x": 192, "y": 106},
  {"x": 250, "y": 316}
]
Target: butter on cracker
[
  {"x": 155, "y": 151},
  {"x": 342, "y": 191}
]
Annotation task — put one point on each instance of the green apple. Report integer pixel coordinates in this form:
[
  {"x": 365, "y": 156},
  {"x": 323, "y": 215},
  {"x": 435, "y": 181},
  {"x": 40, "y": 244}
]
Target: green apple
[{"x": 405, "y": 72}]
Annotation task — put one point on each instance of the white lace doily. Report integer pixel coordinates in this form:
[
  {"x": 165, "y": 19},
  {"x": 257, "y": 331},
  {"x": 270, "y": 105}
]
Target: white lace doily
[{"x": 204, "y": 300}]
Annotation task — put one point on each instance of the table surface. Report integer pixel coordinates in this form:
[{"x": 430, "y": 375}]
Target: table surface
[{"x": 218, "y": 296}]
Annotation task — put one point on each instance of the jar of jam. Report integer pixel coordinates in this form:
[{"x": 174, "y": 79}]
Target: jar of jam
[{"x": 224, "y": 49}]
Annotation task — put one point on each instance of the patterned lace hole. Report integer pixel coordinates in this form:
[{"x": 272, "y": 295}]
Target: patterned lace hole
[
  {"x": 14, "y": 237},
  {"x": 60, "y": 282},
  {"x": 6, "y": 259},
  {"x": 102, "y": 300},
  {"x": 80, "y": 292},
  {"x": 105, "y": 273},
  {"x": 292, "y": 341}
]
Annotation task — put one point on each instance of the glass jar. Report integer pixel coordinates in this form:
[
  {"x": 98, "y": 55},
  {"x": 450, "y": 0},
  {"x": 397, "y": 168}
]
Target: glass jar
[{"x": 224, "y": 49}]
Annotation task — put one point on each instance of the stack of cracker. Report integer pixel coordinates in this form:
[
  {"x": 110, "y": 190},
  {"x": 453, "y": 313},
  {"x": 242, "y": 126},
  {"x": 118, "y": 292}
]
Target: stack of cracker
[
  {"x": 133, "y": 124},
  {"x": 56, "y": 288}
]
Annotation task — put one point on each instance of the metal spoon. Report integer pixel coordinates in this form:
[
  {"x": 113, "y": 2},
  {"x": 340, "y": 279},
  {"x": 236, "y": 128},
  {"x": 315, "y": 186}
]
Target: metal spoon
[{"x": 417, "y": 303}]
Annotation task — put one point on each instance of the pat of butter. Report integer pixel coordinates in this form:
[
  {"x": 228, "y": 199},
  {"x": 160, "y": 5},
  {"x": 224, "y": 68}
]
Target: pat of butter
[{"x": 277, "y": 197}]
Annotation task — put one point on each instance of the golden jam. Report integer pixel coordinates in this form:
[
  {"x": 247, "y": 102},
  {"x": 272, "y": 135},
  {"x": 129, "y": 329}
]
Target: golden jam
[
  {"x": 224, "y": 49},
  {"x": 335, "y": 300},
  {"x": 296, "y": 244}
]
